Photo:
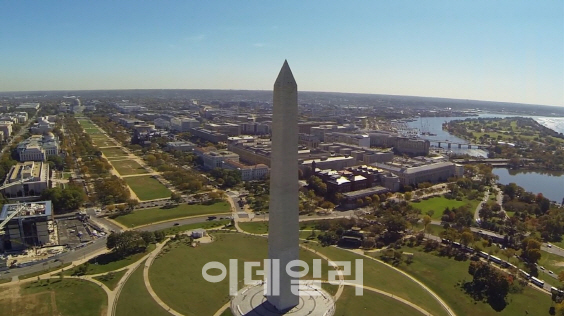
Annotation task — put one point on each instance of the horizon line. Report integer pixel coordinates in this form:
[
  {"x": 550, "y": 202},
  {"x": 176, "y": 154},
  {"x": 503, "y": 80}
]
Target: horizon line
[{"x": 209, "y": 89}]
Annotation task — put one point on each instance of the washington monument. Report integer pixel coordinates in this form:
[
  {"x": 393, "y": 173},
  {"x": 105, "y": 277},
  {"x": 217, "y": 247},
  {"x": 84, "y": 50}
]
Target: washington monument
[{"x": 283, "y": 233}]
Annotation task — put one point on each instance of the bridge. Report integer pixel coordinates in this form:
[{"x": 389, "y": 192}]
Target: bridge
[
  {"x": 495, "y": 162},
  {"x": 449, "y": 145}
]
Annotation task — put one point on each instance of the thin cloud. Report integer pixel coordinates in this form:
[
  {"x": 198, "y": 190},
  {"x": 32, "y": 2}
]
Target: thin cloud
[{"x": 196, "y": 38}]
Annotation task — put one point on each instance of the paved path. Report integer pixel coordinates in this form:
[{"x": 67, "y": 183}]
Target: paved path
[
  {"x": 155, "y": 297},
  {"x": 392, "y": 296}
]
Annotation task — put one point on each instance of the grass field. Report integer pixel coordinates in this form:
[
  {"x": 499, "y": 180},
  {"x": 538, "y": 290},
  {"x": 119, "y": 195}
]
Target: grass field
[
  {"x": 113, "y": 151},
  {"x": 111, "y": 279},
  {"x": 370, "y": 303},
  {"x": 205, "y": 225},
  {"x": 58, "y": 297},
  {"x": 442, "y": 274},
  {"x": 147, "y": 188},
  {"x": 85, "y": 123},
  {"x": 254, "y": 227},
  {"x": 103, "y": 142},
  {"x": 182, "y": 286},
  {"x": 439, "y": 203},
  {"x": 261, "y": 227},
  {"x": 128, "y": 167},
  {"x": 136, "y": 300},
  {"x": 431, "y": 229},
  {"x": 152, "y": 215},
  {"x": 107, "y": 262},
  {"x": 382, "y": 276}
]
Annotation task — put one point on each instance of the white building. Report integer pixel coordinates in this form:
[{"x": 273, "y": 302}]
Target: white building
[
  {"x": 6, "y": 128},
  {"x": 43, "y": 125},
  {"x": 352, "y": 139},
  {"x": 38, "y": 147},
  {"x": 183, "y": 124},
  {"x": 216, "y": 159},
  {"x": 161, "y": 123},
  {"x": 37, "y": 175}
]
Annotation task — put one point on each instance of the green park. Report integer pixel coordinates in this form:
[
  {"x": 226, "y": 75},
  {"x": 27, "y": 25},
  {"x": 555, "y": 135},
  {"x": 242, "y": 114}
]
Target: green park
[
  {"x": 152, "y": 215},
  {"x": 147, "y": 187}
]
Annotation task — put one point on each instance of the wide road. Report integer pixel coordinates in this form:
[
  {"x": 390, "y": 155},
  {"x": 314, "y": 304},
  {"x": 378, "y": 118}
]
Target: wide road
[{"x": 69, "y": 256}]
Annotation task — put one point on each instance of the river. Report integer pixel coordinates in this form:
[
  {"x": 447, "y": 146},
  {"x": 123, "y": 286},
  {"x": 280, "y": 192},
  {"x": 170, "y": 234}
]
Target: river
[
  {"x": 434, "y": 125},
  {"x": 550, "y": 184}
]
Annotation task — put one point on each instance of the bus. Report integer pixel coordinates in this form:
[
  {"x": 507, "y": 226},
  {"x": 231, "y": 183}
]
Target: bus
[
  {"x": 537, "y": 282},
  {"x": 483, "y": 254},
  {"x": 525, "y": 274},
  {"x": 496, "y": 259}
]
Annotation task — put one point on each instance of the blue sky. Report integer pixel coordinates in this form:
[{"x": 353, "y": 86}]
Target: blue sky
[{"x": 486, "y": 50}]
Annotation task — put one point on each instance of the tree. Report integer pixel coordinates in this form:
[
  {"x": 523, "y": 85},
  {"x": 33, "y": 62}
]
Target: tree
[
  {"x": 176, "y": 197},
  {"x": 508, "y": 253},
  {"x": 148, "y": 237},
  {"x": 126, "y": 243},
  {"x": 531, "y": 249},
  {"x": 132, "y": 203},
  {"x": 466, "y": 238},
  {"x": 426, "y": 221},
  {"x": 159, "y": 236}
]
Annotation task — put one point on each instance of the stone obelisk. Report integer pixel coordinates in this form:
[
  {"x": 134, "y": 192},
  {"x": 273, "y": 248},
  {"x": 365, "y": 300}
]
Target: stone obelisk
[{"x": 283, "y": 231}]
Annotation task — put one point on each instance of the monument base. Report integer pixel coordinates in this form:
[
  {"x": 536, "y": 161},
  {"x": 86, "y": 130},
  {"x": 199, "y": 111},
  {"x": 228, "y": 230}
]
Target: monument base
[{"x": 251, "y": 301}]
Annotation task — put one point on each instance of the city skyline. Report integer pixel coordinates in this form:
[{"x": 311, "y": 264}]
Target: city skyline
[{"x": 505, "y": 51}]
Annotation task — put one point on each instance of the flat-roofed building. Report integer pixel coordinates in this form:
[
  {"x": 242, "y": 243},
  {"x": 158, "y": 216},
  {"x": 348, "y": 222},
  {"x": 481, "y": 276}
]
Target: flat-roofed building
[
  {"x": 6, "y": 128},
  {"x": 228, "y": 129},
  {"x": 248, "y": 173},
  {"x": 32, "y": 227},
  {"x": 161, "y": 123},
  {"x": 208, "y": 135},
  {"x": 352, "y": 139},
  {"x": 180, "y": 146},
  {"x": 216, "y": 159},
  {"x": 183, "y": 124},
  {"x": 36, "y": 175},
  {"x": 38, "y": 147},
  {"x": 28, "y": 106}
]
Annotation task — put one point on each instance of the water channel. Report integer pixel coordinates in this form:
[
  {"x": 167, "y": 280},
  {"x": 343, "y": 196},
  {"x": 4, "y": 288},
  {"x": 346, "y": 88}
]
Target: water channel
[{"x": 550, "y": 184}]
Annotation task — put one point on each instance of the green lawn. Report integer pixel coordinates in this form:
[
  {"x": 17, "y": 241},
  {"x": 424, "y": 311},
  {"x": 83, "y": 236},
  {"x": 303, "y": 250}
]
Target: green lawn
[
  {"x": 205, "y": 225},
  {"x": 442, "y": 274},
  {"x": 103, "y": 142},
  {"x": 113, "y": 151},
  {"x": 37, "y": 299},
  {"x": 370, "y": 303},
  {"x": 136, "y": 300},
  {"x": 439, "y": 203},
  {"x": 108, "y": 262},
  {"x": 261, "y": 227},
  {"x": 147, "y": 187},
  {"x": 551, "y": 262},
  {"x": 128, "y": 167},
  {"x": 381, "y": 276},
  {"x": 85, "y": 123},
  {"x": 176, "y": 276},
  {"x": 431, "y": 229},
  {"x": 111, "y": 279},
  {"x": 152, "y": 215},
  {"x": 254, "y": 227}
]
